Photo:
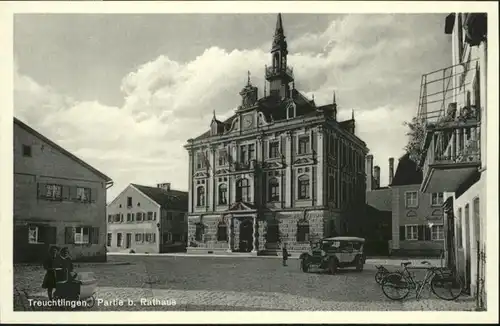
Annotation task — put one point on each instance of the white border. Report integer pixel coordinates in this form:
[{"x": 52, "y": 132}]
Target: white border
[{"x": 6, "y": 199}]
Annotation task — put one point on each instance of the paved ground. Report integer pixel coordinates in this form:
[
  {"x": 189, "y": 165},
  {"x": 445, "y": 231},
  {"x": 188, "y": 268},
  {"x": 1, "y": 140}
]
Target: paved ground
[{"x": 213, "y": 283}]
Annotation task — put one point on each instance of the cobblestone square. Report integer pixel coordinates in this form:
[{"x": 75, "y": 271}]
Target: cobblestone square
[{"x": 214, "y": 283}]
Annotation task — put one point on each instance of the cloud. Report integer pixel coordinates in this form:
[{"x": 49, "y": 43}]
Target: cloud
[{"x": 374, "y": 64}]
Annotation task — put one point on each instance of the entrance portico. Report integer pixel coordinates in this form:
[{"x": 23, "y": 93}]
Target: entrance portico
[{"x": 243, "y": 230}]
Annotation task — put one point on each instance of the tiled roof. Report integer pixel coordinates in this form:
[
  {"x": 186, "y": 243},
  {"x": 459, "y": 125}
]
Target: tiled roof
[
  {"x": 168, "y": 199},
  {"x": 407, "y": 172},
  {"x": 380, "y": 199}
]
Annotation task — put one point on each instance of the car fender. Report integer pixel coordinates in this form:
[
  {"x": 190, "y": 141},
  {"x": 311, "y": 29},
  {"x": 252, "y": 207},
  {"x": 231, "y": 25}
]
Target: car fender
[{"x": 304, "y": 255}]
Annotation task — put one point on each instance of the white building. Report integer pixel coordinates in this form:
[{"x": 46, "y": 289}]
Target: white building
[
  {"x": 147, "y": 220},
  {"x": 453, "y": 107}
]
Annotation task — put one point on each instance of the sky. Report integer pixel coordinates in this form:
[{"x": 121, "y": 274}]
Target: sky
[{"x": 125, "y": 92}]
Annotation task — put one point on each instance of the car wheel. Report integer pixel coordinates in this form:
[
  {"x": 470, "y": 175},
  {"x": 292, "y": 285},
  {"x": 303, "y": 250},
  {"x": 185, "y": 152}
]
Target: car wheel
[{"x": 333, "y": 266}]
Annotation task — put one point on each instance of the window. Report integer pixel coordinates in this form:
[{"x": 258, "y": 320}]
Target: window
[
  {"x": 222, "y": 232},
  {"x": 27, "y": 150},
  {"x": 53, "y": 192},
  {"x": 199, "y": 232},
  {"x": 437, "y": 199},
  {"x": 109, "y": 239},
  {"x": 200, "y": 196},
  {"x": 274, "y": 149},
  {"x": 223, "y": 157},
  {"x": 274, "y": 193},
  {"x": 243, "y": 190},
  {"x": 138, "y": 237},
  {"x": 169, "y": 216},
  {"x": 303, "y": 187},
  {"x": 411, "y": 232},
  {"x": 110, "y": 218},
  {"x": 119, "y": 239},
  {"x": 302, "y": 232},
  {"x": 223, "y": 194},
  {"x": 33, "y": 234},
  {"x": 437, "y": 232},
  {"x": 82, "y": 235},
  {"x": 303, "y": 144},
  {"x": 149, "y": 237},
  {"x": 411, "y": 199},
  {"x": 251, "y": 152},
  {"x": 243, "y": 154},
  {"x": 116, "y": 218},
  {"x": 129, "y": 217},
  {"x": 150, "y": 216},
  {"x": 139, "y": 217},
  {"x": 129, "y": 201}
]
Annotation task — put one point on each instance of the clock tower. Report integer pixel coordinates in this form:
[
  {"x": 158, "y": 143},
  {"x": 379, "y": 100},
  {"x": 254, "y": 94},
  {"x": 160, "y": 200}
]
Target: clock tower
[{"x": 279, "y": 75}]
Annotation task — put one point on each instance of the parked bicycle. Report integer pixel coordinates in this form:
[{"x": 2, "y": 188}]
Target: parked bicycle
[
  {"x": 444, "y": 283},
  {"x": 381, "y": 273}
]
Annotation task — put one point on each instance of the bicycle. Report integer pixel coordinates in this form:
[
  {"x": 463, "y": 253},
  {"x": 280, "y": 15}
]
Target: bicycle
[
  {"x": 437, "y": 277},
  {"x": 381, "y": 273}
]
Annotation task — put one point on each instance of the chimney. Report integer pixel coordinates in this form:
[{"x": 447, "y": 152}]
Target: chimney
[
  {"x": 165, "y": 186},
  {"x": 391, "y": 169},
  {"x": 376, "y": 177},
  {"x": 369, "y": 172}
]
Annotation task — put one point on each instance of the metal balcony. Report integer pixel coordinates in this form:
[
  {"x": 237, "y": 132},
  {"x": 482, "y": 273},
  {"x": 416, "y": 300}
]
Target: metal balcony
[
  {"x": 451, "y": 151},
  {"x": 452, "y": 157}
]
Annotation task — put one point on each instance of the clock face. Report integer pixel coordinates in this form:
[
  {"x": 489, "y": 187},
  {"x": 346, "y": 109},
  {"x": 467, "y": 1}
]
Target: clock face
[{"x": 248, "y": 121}]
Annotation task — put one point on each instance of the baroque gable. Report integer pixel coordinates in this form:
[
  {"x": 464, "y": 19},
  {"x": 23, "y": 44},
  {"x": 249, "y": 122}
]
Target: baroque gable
[
  {"x": 201, "y": 175},
  {"x": 304, "y": 161}
]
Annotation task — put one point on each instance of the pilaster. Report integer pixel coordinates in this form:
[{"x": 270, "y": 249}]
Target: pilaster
[
  {"x": 320, "y": 168},
  {"x": 288, "y": 162}
]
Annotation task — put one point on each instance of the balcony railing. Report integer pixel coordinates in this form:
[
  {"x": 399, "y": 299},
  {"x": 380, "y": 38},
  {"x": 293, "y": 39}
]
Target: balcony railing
[{"x": 276, "y": 71}]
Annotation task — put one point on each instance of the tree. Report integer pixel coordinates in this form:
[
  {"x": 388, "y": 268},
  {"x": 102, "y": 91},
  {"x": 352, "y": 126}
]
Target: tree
[{"x": 416, "y": 136}]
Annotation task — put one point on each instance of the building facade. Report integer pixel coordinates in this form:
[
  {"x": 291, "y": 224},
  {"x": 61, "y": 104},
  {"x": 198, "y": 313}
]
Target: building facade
[
  {"x": 58, "y": 200},
  {"x": 144, "y": 219},
  {"x": 417, "y": 217},
  {"x": 454, "y": 148},
  {"x": 280, "y": 170}
]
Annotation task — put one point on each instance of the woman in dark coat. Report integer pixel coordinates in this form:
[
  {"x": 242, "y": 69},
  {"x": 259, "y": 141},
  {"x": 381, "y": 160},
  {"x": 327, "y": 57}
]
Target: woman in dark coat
[{"x": 49, "y": 280}]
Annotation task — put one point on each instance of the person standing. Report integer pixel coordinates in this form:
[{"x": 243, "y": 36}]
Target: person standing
[
  {"x": 285, "y": 254},
  {"x": 49, "y": 280},
  {"x": 66, "y": 263}
]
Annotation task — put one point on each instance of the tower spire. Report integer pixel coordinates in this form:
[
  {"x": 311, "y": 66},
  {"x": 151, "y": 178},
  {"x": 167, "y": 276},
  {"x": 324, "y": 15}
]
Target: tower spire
[
  {"x": 279, "y": 25},
  {"x": 352, "y": 114},
  {"x": 249, "y": 82},
  {"x": 334, "y": 100}
]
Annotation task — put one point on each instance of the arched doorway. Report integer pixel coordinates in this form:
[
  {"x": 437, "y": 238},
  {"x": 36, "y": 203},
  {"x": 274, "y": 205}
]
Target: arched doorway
[{"x": 246, "y": 236}]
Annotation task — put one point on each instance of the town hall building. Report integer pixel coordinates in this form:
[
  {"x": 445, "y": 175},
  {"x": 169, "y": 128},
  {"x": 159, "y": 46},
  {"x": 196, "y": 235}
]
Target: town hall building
[{"x": 280, "y": 170}]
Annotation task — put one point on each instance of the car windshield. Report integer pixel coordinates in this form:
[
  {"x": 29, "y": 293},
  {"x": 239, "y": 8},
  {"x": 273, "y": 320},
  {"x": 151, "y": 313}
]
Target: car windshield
[{"x": 326, "y": 245}]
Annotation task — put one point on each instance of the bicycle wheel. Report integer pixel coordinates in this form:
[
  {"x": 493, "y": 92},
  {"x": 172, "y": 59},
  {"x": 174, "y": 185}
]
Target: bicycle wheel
[
  {"x": 379, "y": 276},
  {"x": 446, "y": 286},
  {"x": 395, "y": 286}
]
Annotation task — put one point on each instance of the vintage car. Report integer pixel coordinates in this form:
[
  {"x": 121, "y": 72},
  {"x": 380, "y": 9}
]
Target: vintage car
[{"x": 334, "y": 253}]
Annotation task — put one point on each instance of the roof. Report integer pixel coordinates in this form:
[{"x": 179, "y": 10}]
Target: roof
[
  {"x": 273, "y": 109},
  {"x": 345, "y": 239},
  {"x": 59, "y": 148},
  {"x": 168, "y": 199},
  {"x": 407, "y": 172},
  {"x": 380, "y": 199}
]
